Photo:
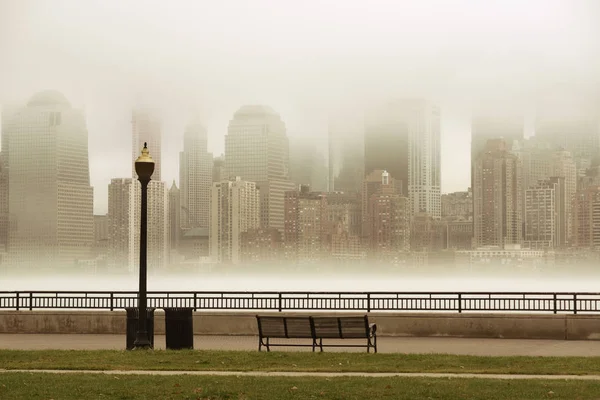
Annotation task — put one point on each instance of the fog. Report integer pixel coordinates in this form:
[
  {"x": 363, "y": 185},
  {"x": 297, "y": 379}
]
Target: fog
[
  {"x": 206, "y": 59},
  {"x": 328, "y": 279}
]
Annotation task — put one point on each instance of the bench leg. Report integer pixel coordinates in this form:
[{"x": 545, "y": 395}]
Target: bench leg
[
  {"x": 314, "y": 344},
  {"x": 321, "y": 344},
  {"x": 268, "y": 347},
  {"x": 259, "y": 343}
]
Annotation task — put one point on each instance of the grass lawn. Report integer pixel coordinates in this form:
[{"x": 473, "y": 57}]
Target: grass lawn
[
  {"x": 194, "y": 360},
  {"x": 21, "y": 385}
]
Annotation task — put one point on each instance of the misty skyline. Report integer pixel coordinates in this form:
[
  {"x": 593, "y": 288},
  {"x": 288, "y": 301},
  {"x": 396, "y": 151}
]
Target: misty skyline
[{"x": 207, "y": 59}]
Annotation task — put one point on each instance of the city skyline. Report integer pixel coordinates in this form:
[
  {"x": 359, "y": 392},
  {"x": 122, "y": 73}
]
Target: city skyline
[{"x": 183, "y": 61}]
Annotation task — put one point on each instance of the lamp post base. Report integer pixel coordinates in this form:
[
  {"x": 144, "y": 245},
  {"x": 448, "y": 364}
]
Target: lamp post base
[{"x": 141, "y": 341}]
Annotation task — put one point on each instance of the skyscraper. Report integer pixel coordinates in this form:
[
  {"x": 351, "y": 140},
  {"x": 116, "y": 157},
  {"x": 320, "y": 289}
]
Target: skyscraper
[
  {"x": 546, "y": 214},
  {"x": 386, "y": 144},
  {"x": 174, "y": 215},
  {"x": 346, "y": 154},
  {"x": 307, "y": 166},
  {"x": 195, "y": 178},
  {"x": 146, "y": 128},
  {"x": 234, "y": 210},
  {"x": 50, "y": 200},
  {"x": 257, "y": 150},
  {"x": 485, "y": 127},
  {"x": 124, "y": 201},
  {"x": 403, "y": 138},
  {"x": 497, "y": 196}
]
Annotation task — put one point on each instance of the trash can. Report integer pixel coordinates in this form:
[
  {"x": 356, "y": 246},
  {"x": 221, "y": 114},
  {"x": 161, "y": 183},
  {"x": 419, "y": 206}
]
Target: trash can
[
  {"x": 179, "y": 328},
  {"x": 132, "y": 326}
]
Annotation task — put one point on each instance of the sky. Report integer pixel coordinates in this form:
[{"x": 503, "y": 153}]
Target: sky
[{"x": 205, "y": 59}]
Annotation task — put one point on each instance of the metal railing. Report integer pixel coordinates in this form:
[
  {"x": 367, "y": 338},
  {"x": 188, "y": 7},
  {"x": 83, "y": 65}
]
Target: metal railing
[{"x": 538, "y": 302}]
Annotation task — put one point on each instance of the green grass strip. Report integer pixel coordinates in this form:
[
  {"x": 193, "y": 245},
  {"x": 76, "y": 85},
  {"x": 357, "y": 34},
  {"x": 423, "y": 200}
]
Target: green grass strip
[
  {"x": 197, "y": 360},
  {"x": 97, "y": 386}
]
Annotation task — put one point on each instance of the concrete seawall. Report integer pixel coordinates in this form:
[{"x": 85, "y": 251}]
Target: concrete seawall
[{"x": 507, "y": 326}]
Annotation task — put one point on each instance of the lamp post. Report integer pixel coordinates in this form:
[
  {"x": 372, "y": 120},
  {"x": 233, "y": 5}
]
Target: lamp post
[{"x": 144, "y": 167}]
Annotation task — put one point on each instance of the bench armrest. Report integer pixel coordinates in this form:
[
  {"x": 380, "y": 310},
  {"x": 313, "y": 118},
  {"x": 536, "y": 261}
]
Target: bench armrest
[{"x": 372, "y": 329}]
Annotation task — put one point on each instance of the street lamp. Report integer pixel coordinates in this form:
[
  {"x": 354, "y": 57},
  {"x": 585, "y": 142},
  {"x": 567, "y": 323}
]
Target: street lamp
[{"x": 144, "y": 167}]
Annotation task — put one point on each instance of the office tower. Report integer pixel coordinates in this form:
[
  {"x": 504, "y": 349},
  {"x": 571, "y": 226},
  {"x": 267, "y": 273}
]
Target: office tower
[
  {"x": 257, "y": 150},
  {"x": 174, "y": 216},
  {"x": 146, "y": 127},
  {"x": 564, "y": 166},
  {"x": 546, "y": 215},
  {"x": 388, "y": 219},
  {"x": 586, "y": 219},
  {"x": 124, "y": 197},
  {"x": 101, "y": 234},
  {"x": 497, "y": 196},
  {"x": 235, "y": 209},
  {"x": 50, "y": 200},
  {"x": 458, "y": 205},
  {"x": 484, "y": 127},
  {"x": 345, "y": 225},
  {"x": 218, "y": 170},
  {"x": 578, "y": 134},
  {"x": 372, "y": 184},
  {"x": 307, "y": 166},
  {"x": 195, "y": 178},
  {"x": 346, "y": 153},
  {"x": 305, "y": 231},
  {"x": 403, "y": 138},
  {"x": 124, "y": 202}
]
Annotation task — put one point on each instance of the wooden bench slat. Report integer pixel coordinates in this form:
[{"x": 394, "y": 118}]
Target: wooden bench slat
[{"x": 299, "y": 327}]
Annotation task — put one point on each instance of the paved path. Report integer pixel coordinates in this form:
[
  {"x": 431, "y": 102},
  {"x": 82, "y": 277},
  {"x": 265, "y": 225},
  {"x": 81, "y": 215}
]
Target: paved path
[
  {"x": 317, "y": 374},
  {"x": 480, "y": 347}
]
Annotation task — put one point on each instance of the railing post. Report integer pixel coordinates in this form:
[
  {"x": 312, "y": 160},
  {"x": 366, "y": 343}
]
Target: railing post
[
  {"x": 30, "y": 301},
  {"x": 18, "y": 301},
  {"x": 112, "y": 305},
  {"x": 368, "y": 302},
  {"x": 555, "y": 305},
  {"x": 460, "y": 303},
  {"x": 279, "y": 301},
  {"x": 575, "y": 303},
  {"x": 195, "y": 301}
]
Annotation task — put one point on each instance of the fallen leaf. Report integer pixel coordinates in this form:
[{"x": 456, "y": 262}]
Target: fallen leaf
[
  {"x": 294, "y": 388},
  {"x": 176, "y": 385},
  {"x": 550, "y": 393},
  {"x": 198, "y": 390},
  {"x": 388, "y": 387}
]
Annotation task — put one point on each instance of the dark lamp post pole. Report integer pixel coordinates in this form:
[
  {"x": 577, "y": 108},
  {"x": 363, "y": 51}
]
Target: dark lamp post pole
[{"x": 144, "y": 167}]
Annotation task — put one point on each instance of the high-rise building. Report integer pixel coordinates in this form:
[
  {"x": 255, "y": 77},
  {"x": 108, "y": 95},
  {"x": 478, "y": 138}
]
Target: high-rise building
[
  {"x": 124, "y": 202},
  {"x": 428, "y": 234},
  {"x": 546, "y": 215},
  {"x": 511, "y": 128},
  {"x": 386, "y": 143},
  {"x": 346, "y": 154},
  {"x": 497, "y": 196},
  {"x": 371, "y": 185},
  {"x": 195, "y": 178},
  {"x": 578, "y": 134},
  {"x": 564, "y": 166},
  {"x": 305, "y": 232},
  {"x": 218, "y": 170},
  {"x": 307, "y": 166},
  {"x": 235, "y": 209},
  {"x": 345, "y": 225},
  {"x": 586, "y": 219},
  {"x": 388, "y": 221},
  {"x": 146, "y": 128},
  {"x": 3, "y": 208},
  {"x": 257, "y": 150},
  {"x": 403, "y": 138},
  {"x": 124, "y": 195},
  {"x": 50, "y": 200},
  {"x": 174, "y": 216}
]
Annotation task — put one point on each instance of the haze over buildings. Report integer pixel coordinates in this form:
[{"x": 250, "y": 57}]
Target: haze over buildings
[{"x": 337, "y": 133}]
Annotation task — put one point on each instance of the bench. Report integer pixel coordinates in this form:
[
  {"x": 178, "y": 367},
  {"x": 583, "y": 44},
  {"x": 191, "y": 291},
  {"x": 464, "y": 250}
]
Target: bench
[{"x": 316, "y": 329}]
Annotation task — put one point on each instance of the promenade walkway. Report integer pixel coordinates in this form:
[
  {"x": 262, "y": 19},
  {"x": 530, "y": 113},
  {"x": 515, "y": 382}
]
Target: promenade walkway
[
  {"x": 315, "y": 374},
  {"x": 478, "y": 347}
]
